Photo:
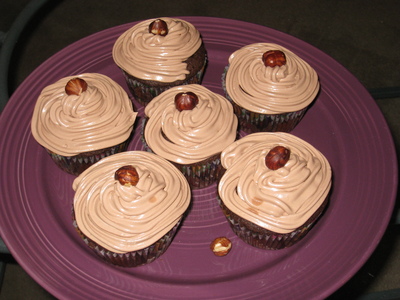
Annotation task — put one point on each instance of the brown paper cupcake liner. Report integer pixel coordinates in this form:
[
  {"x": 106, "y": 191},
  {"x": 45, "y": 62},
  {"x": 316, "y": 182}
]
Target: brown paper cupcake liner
[
  {"x": 133, "y": 258},
  {"x": 251, "y": 122},
  {"x": 76, "y": 164},
  {"x": 203, "y": 173},
  {"x": 144, "y": 92},
  {"x": 262, "y": 238}
]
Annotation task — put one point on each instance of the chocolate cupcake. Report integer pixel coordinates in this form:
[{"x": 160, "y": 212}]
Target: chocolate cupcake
[
  {"x": 189, "y": 126},
  {"x": 128, "y": 207},
  {"x": 270, "y": 87},
  {"x": 82, "y": 119},
  {"x": 275, "y": 188},
  {"x": 158, "y": 54}
]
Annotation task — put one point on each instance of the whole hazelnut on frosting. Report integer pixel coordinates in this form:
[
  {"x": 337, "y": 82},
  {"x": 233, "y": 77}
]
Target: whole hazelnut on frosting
[
  {"x": 127, "y": 176},
  {"x": 277, "y": 158},
  {"x": 158, "y": 27},
  {"x": 186, "y": 101},
  {"x": 75, "y": 86},
  {"x": 274, "y": 58}
]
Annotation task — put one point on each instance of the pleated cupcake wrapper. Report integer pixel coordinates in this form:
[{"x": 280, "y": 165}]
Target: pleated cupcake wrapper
[
  {"x": 199, "y": 175},
  {"x": 134, "y": 258},
  {"x": 251, "y": 122},
  {"x": 259, "y": 237},
  {"x": 204, "y": 173},
  {"x": 144, "y": 93},
  {"x": 255, "y": 122},
  {"x": 76, "y": 164}
]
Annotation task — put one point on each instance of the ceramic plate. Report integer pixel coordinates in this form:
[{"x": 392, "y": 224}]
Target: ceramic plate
[{"x": 345, "y": 124}]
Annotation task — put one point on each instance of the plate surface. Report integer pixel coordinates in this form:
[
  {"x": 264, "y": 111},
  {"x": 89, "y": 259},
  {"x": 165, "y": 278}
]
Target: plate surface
[{"x": 344, "y": 123}]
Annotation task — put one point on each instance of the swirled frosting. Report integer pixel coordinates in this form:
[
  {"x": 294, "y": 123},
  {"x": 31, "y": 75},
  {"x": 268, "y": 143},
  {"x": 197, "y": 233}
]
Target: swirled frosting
[
  {"x": 268, "y": 90},
  {"x": 129, "y": 218},
  {"x": 280, "y": 200},
  {"x": 189, "y": 136},
  {"x": 155, "y": 57},
  {"x": 98, "y": 118}
]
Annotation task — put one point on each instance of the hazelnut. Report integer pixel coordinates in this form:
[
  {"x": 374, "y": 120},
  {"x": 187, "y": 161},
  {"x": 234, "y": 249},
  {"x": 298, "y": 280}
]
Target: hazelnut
[
  {"x": 75, "y": 86},
  {"x": 277, "y": 157},
  {"x": 158, "y": 27},
  {"x": 274, "y": 58},
  {"x": 221, "y": 246},
  {"x": 186, "y": 101},
  {"x": 127, "y": 176}
]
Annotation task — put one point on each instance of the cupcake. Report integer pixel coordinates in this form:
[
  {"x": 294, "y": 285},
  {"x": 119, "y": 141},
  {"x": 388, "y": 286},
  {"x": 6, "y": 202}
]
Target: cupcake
[
  {"x": 189, "y": 126},
  {"x": 270, "y": 87},
  {"x": 128, "y": 206},
  {"x": 157, "y": 54},
  {"x": 275, "y": 188},
  {"x": 81, "y": 119}
]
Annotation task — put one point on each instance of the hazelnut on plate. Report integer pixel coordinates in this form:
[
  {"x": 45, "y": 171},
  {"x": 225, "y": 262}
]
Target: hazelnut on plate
[{"x": 221, "y": 246}]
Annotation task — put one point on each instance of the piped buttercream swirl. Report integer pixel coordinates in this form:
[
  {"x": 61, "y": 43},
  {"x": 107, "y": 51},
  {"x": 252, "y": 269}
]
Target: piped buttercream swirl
[
  {"x": 98, "y": 118},
  {"x": 270, "y": 90},
  {"x": 155, "y": 57},
  {"x": 280, "y": 200},
  {"x": 124, "y": 219},
  {"x": 189, "y": 136}
]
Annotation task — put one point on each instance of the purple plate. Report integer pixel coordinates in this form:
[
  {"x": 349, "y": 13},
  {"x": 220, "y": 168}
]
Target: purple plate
[{"x": 345, "y": 124}]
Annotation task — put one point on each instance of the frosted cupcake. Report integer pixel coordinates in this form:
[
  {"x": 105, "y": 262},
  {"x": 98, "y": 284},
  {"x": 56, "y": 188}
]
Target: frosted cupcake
[
  {"x": 270, "y": 87},
  {"x": 127, "y": 207},
  {"x": 275, "y": 188},
  {"x": 157, "y": 54},
  {"x": 81, "y": 119},
  {"x": 190, "y": 125}
]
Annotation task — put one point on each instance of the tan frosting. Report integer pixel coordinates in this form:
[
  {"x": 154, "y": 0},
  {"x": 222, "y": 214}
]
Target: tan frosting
[
  {"x": 155, "y": 57},
  {"x": 98, "y": 118},
  {"x": 268, "y": 90},
  {"x": 280, "y": 200},
  {"x": 189, "y": 136},
  {"x": 123, "y": 219}
]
